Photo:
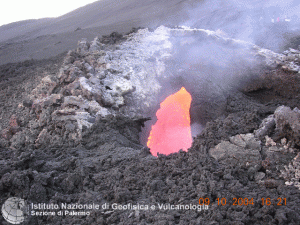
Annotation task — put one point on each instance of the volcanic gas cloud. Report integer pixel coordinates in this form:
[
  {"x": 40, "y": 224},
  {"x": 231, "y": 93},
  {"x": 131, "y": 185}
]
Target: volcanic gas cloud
[{"x": 172, "y": 131}]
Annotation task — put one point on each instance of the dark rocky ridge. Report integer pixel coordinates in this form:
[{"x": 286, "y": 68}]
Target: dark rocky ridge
[{"x": 109, "y": 165}]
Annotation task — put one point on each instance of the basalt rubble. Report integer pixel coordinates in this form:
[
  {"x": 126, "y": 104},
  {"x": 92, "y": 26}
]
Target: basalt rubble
[{"x": 75, "y": 138}]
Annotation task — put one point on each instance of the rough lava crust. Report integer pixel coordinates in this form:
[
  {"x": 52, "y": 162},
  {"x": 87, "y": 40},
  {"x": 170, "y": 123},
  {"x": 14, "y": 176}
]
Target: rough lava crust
[{"x": 75, "y": 135}]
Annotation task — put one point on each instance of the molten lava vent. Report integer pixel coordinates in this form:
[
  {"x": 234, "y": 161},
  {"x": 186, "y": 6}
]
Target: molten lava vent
[{"x": 172, "y": 131}]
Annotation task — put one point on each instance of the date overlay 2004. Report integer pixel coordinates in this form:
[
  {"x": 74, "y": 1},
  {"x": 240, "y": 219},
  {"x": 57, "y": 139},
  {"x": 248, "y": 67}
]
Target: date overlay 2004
[{"x": 243, "y": 201}]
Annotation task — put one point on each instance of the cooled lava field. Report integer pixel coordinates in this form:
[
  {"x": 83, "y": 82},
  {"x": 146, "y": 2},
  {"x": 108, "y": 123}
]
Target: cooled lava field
[{"x": 165, "y": 125}]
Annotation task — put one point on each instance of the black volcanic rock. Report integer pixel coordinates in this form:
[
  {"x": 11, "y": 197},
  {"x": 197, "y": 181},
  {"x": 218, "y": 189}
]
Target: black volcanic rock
[{"x": 72, "y": 149}]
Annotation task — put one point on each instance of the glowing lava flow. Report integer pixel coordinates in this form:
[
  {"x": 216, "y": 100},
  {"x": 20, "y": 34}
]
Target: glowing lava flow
[{"x": 172, "y": 131}]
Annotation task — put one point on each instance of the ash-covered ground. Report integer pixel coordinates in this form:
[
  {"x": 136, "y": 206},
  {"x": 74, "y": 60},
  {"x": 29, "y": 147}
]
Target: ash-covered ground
[{"x": 72, "y": 126}]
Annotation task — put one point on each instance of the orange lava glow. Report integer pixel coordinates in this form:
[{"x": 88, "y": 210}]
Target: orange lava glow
[{"x": 172, "y": 131}]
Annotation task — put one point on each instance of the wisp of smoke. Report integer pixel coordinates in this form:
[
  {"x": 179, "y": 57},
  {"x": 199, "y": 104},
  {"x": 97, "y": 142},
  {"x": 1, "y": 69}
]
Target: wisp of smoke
[
  {"x": 210, "y": 67},
  {"x": 265, "y": 22}
]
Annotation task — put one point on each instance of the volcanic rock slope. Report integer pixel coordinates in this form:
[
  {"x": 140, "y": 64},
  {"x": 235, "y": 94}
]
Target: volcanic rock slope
[
  {"x": 74, "y": 137},
  {"x": 48, "y": 37}
]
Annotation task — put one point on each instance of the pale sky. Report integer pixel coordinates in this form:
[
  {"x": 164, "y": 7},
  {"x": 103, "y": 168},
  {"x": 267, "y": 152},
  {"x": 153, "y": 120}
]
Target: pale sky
[{"x": 16, "y": 10}]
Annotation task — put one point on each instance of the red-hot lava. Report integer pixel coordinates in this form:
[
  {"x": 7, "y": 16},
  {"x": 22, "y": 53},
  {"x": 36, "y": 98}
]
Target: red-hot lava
[{"x": 172, "y": 131}]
